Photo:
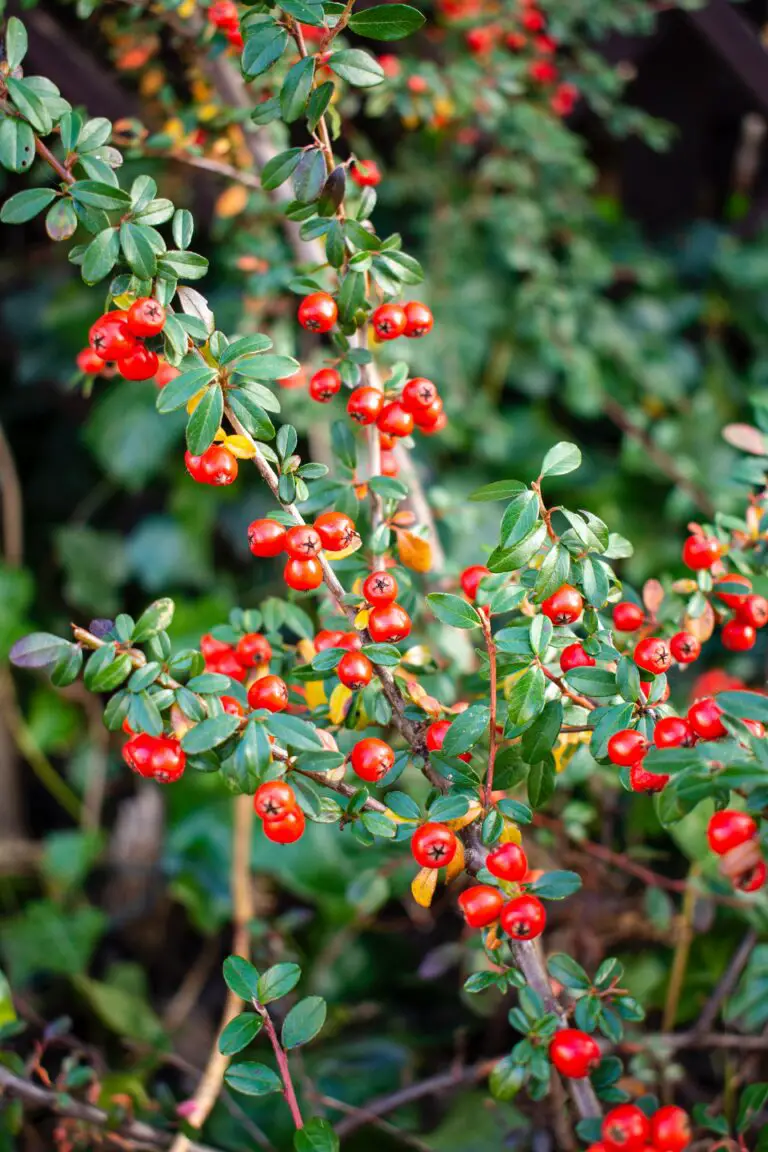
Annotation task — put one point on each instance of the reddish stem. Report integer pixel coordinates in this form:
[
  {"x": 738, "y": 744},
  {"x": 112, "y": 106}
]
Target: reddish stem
[
  {"x": 546, "y": 515},
  {"x": 582, "y": 701},
  {"x": 282, "y": 1064},
  {"x": 485, "y": 624}
]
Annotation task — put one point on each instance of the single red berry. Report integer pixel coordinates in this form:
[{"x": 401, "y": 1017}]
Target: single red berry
[
  {"x": 253, "y": 649},
  {"x": 318, "y": 312},
  {"x": 670, "y": 1129},
  {"x": 653, "y": 655},
  {"x": 433, "y": 845},
  {"x": 212, "y": 648},
  {"x": 354, "y": 670},
  {"x": 395, "y": 420},
  {"x": 753, "y": 610},
  {"x": 266, "y": 537},
  {"x": 737, "y": 636},
  {"x": 218, "y": 466},
  {"x": 563, "y": 606},
  {"x": 470, "y": 579},
  {"x": 545, "y": 45},
  {"x": 575, "y": 1054},
  {"x": 270, "y": 692},
  {"x": 227, "y": 664},
  {"x": 303, "y": 575},
  {"x": 627, "y": 617},
  {"x": 88, "y": 361},
  {"x": 388, "y": 623},
  {"x": 365, "y": 173},
  {"x": 137, "y": 754},
  {"x": 436, "y": 734},
  {"x": 700, "y": 552},
  {"x": 140, "y": 364},
  {"x": 726, "y": 589},
  {"x": 231, "y": 706},
  {"x": 336, "y": 531},
  {"x": 542, "y": 71},
  {"x": 365, "y": 404},
  {"x": 223, "y": 14},
  {"x": 235, "y": 37},
  {"x": 326, "y": 639},
  {"x": 324, "y": 385},
  {"x": 754, "y": 879},
  {"x": 524, "y": 917},
  {"x": 574, "y": 656},
  {"x": 704, "y": 717},
  {"x": 515, "y": 41},
  {"x": 146, "y": 317},
  {"x": 288, "y": 830},
  {"x": 380, "y": 588},
  {"x": 685, "y": 648},
  {"x": 389, "y": 321},
  {"x": 647, "y": 686},
  {"x": 165, "y": 373},
  {"x": 432, "y": 418},
  {"x": 418, "y": 395},
  {"x": 418, "y": 85},
  {"x": 728, "y": 829},
  {"x": 371, "y": 758},
  {"x": 626, "y": 747},
  {"x": 508, "y": 862},
  {"x": 419, "y": 319},
  {"x": 641, "y": 780},
  {"x": 564, "y": 98},
  {"x": 111, "y": 338},
  {"x": 302, "y": 542},
  {"x": 481, "y": 905},
  {"x": 481, "y": 40},
  {"x": 274, "y": 800},
  {"x": 626, "y": 1129},
  {"x": 390, "y": 65},
  {"x": 533, "y": 21},
  {"x": 673, "y": 732}
]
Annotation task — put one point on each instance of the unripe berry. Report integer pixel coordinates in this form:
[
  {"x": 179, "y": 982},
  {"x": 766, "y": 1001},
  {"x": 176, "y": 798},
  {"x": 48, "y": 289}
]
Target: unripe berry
[
  {"x": 670, "y": 1129},
  {"x": 704, "y": 717},
  {"x": 111, "y": 338},
  {"x": 481, "y": 905},
  {"x": 288, "y": 830},
  {"x": 380, "y": 588},
  {"x": 738, "y": 636},
  {"x": 653, "y": 655},
  {"x": 563, "y": 606},
  {"x": 574, "y": 1054},
  {"x": 270, "y": 692},
  {"x": 336, "y": 530},
  {"x": 753, "y": 610},
  {"x": 419, "y": 319},
  {"x": 371, "y": 759},
  {"x": 700, "y": 552},
  {"x": 626, "y": 1129},
  {"x": 354, "y": 670},
  {"x": 395, "y": 420},
  {"x": 728, "y": 829},
  {"x": 146, "y": 317},
  {"x": 266, "y": 538},
  {"x": 724, "y": 588},
  {"x": 365, "y": 403},
  {"x": 524, "y": 917},
  {"x": 508, "y": 862},
  {"x": 140, "y": 364},
  {"x": 253, "y": 649},
  {"x": 273, "y": 800},
  {"x": 673, "y": 732},
  {"x": 574, "y": 656},
  {"x": 318, "y": 312},
  {"x": 389, "y": 321},
  {"x": 433, "y": 845},
  {"x": 302, "y": 542},
  {"x": 324, "y": 385},
  {"x": 684, "y": 647},
  {"x": 627, "y": 617},
  {"x": 626, "y": 747},
  {"x": 388, "y": 623},
  {"x": 470, "y": 579},
  {"x": 303, "y": 575}
]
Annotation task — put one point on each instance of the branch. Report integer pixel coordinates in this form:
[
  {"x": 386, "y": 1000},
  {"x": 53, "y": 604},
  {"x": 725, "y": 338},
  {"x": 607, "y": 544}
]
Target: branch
[
  {"x": 13, "y": 515},
  {"x": 289, "y": 1092},
  {"x": 485, "y": 624},
  {"x": 582, "y": 701}
]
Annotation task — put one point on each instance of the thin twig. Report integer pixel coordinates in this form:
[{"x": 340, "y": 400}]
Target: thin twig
[
  {"x": 13, "y": 516},
  {"x": 289, "y": 1092},
  {"x": 726, "y": 983},
  {"x": 582, "y": 701},
  {"x": 682, "y": 952},
  {"x": 485, "y": 624}
]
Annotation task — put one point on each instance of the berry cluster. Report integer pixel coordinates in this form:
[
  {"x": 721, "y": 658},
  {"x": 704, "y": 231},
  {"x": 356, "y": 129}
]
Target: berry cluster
[
  {"x": 523, "y": 916},
  {"x": 216, "y": 466},
  {"x": 159, "y": 758},
  {"x": 119, "y": 337},
  {"x": 252, "y": 651},
  {"x": 387, "y": 622},
  {"x": 224, "y": 16},
  {"x": 282, "y": 819},
  {"x": 334, "y": 532},
  {"x": 626, "y": 1128}
]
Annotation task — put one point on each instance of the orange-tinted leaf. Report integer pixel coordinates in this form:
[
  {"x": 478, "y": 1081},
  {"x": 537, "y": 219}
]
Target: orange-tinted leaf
[
  {"x": 414, "y": 552},
  {"x": 231, "y": 202},
  {"x": 746, "y": 438},
  {"x": 653, "y": 595},
  {"x": 702, "y": 626},
  {"x": 423, "y": 886}
]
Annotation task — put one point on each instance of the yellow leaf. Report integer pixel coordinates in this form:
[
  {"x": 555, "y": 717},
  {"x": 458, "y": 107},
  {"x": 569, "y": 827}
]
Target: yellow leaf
[
  {"x": 456, "y": 866},
  {"x": 231, "y": 202},
  {"x": 306, "y": 650},
  {"x": 567, "y": 744},
  {"x": 193, "y": 401},
  {"x": 124, "y": 301},
  {"x": 353, "y": 547},
  {"x": 414, "y": 552},
  {"x": 337, "y": 705},
  {"x": 314, "y": 694},
  {"x": 492, "y": 941},
  {"x": 400, "y": 819},
  {"x": 423, "y": 886},
  {"x": 418, "y": 656},
  {"x": 240, "y": 446},
  {"x": 471, "y": 814},
  {"x": 510, "y": 833},
  {"x": 185, "y": 9},
  {"x": 361, "y": 620}
]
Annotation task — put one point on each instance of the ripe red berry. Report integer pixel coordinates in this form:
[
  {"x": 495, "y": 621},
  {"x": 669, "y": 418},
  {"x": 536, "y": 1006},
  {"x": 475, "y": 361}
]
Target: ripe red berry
[
  {"x": 653, "y": 655},
  {"x": 626, "y": 1129},
  {"x": 684, "y": 647},
  {"x": 365, "y": 173},
  {"x": 266, "y": 537},
  {"x": 380, "y": 588},
  {"x": 418, "y": 395},
  {"x": 146, "y": 317},
  {"x": 388, "y": 623},
  {"x": 274, "y": 800},
  {"x": 574, "y": 656},
  {"x": 704, "y": 717},
  {"x": 223, "y": 14},
  {"x": 324, "y": 385},
  {"x": 673, "y": 732},
  {"x": 365, "y": 403},
  {"x": 302, "y": 542},
  {"x": 533, "y": 21},
  {"x": 670, "y": 1129},
  {"x": 389, "y": 321},
  {"x": 336, "y": 531},
  {"x": 508, "y": 862},
  {"x": 753, "y": 610},
  {"x": 287, "y": 830},
  {"x": 627, "y": 617},
  {"x": 433, "y": 845},
  {"x": 563, "y": 606},
  {"x": 140, "y": 364},
  {"x": 470, "y": 579},
  {"x": 165, "y": 373},
  {"x": 227, "y": 664},
  {"x": 564, "y": 99},
  {"x": 542, "y": 71},
  {"x": 482, "y": 39},
  {"x": 303, "y": 575},
  {"x": 641, "y": 780},
  {"x": 253, "y": 649},
  {"x": 524, "y": 917},
  {"x": 419, "y": 319},
  {"x": 436, "y": 734},
  {"x": 231, "y": 706},
  {"x": 371, "y": 759},
  {"x": 219, "y": 466},
  {"x": 626, "y": 747},
  {"x": 270, "y": 692},
  {"x": 88, "y": 361},
  {"x": 725, "y": 589},
  {"x": 395, "y": 420},
  {"x": 160, "y": 758},
  {"x": 318, "y": 312},
  {"x": 700, "y": 552},
  {"x": 212, "y": 648},
  {"x": 432, "y": 419},
  {"x": 354, "y": 670},
  {"x": 728, "y": 829},
  {"x": 575, "y": 1054},
  {"x": 752, "y": 880},
  {"x": 738, "y": 636},
  {"x": 326, "y": 639},
  {"x": 111, "y": 338},
  {"x": 481, "y": 905}
]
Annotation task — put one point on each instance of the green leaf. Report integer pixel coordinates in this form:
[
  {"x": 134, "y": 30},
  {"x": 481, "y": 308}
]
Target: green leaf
[
  {"x": 753, "y": 1100},
  {"x": 17, "y": 151},
  {"x": 158, "y": 617},
  {"x": 466, "y": 729},
  {"x": 94, "y": 194},
  {"x": 498, "y": 490},
  {"x": 309, "y": 176},
  {"x": 512, "y": 559},
  {"x": 101, "y": 255},
  {"x": 277, "y": 981},
  {"x": 209, "y": 734},
  {"x": 318, "y": 102},
  {"x": 25, "y": 205},
  {"x": 239, "y": 1033},
  {"x": 245, "y": 346},
  {"x": 15, "y": 43},
  {"x": 183, "y": 227},
  {"x": 592, "y": 681},
  {"x": 296, "y": 88},
  {"x": 385, "y": 654},
  {"x": 303, "y": 1022},
  {"x": 252, "y": 1079},
  {"x": 29, "y": 104},
  {"x": 541, "y": 782},
  {"x": 61, "y": 219},
  {"x": 277, "y": 170},
  {"x": 262, "y": 50},
  {"x": 744, "y": 705},
  {"x": 178, "y": 391},
  {"x": 556, "y": 885},
  {"x": 316, "y": 1136},
  {"x": 566, "y": 971},
  {"x": 519, "y": 519},
  {"x": 241, "y": 977},
  {"x": 538, "y": 740},
  {"x": 387, "y": 21},
  {"x": 507, "y": 1078},
  {"x": 253, "y": 418},
  {"x": 526, "y": 699},
  {"x": 305, "y": 11},
  {"x": 182, "y": 265},
  {"x": 138, "y": 250},
  {"x": 561, "y": 459},
  {"x": 205, "y": 421},
  {"x": 268, "y": 367},
  {"x": 356, "y": 67},
  {"x": 453, "y": 610},
  {"x": 294, "y": 731}
]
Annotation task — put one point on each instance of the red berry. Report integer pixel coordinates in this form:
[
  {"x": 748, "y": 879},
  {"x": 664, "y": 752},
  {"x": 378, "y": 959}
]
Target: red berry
[
  {"x": 673, "y": 732},
  {"x": 274, "y": 800},
  {"x": 641, "y": 780},
  {"x": 146, "y": 317},
  {"x": 481, "y": 40},
  {"x": 395, "y": 420},
  {"x": 212, "y": 648},
  {"x": 110, "y": 337},
  {"x": 287, "y": 830},
  {"x": 470, "y": 579},
  {"x": 226, "y": 664},
  {"x": 303, "y": 575},
  {"x": 389, "y": 321},
  {"x": 575, "y": 1054},
  {"x": 545, "y": 46},
  {"x": 231, "y": 706},
  {"x": 432, "y": 419},
  {"x": 140, "y": 364},
  {"x": 389, "y": 464},
  {"x": 380, "y": 588},
  {"x": 371, "y": 759},
  {"x": 160, "y": 758},
  {"x": 737, "y": 636},
  {"x": 88, "y": 361},
  {"x": 700, "y": 552},
  {"x": 653, "y": 655},
  {"x": 574, "y": 656},
  {"x": 542, "y": 71},
  {"x": 165, "y": 373},
  {"x": 684, "y": 647},
  {"x": 752, "y": 880},
  {"x": 626, "y": 747},
  {"x": 235, "y": 37},
  {"x": 753, "y": 610},
  {"x": 627, "y": 617},
  {"x": 270, "y": 692},
  {"x": 336, "y": 530},
  {"x": 507, "y": 862},
  {"x": 324, "y": 385},
  {"x": 436, "y": 734},
  {"x": 564, "y": 99},
  {"x": 533, "y": 21},
  {"x": 670, "y": 1129},
  {"x": 318, "y": 312},
  {"x": 354, "y": 670},
  {"x": 728, "y": 829},
  {"x": 365, "y": 173},
  {"x": 419, "y": 319},
  {"x": 433, "y": 845},
  {"x": 563, "y": 606},
  {"x": 352, "y": 641},
  {"x": 704, "y": 717},
  {"x": 388, "y": 623},
  {"x": 417, "y": 84},
  {"x": 365, "y": 404},
  {"x": 302, "y": 542},
  {"x": 223, "y": 14},
  {"x": 266, "y": 537},
  {"x": 481, "y": 905},
  {"x": 219, "y": 467},
  {"x": 253, "y": 649},
  {"x": 626, "y": 1129},
  {"x": 418, "y": 395},
  {"x": 523, "y": 918},
  {"x": 326, "y": 639},
  {"x": 725, "y": 589}
]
